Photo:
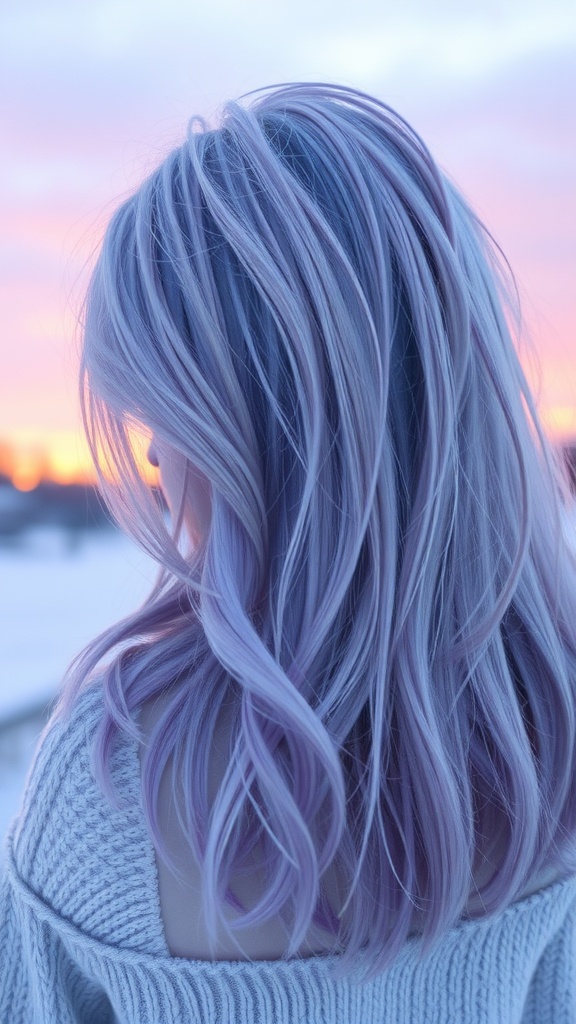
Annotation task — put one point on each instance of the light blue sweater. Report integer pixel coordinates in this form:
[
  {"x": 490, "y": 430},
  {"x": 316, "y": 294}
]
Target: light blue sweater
[{"x": 81, "y": 937}]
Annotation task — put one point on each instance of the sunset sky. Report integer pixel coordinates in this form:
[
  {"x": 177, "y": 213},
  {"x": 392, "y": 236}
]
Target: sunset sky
[{"x": 96, "y": 93}]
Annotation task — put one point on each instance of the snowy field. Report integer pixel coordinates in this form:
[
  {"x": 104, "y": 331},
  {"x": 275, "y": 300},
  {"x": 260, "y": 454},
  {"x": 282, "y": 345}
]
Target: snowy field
[{"x": 55, "y": 595}]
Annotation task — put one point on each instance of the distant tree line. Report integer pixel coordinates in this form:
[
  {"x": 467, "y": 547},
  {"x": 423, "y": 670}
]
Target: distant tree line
[{"x": 74, "y": 507}]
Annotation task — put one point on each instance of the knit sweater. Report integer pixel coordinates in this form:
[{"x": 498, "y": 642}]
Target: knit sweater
[{"x": 81, "y": 934}]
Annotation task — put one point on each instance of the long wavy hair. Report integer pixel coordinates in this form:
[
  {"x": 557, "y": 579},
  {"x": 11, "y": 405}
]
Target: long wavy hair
[{"x": 303, "y": 306}]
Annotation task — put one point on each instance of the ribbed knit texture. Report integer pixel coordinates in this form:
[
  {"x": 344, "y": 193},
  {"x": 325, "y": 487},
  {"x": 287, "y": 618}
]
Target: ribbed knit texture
[{"x": 81, "y": 936}]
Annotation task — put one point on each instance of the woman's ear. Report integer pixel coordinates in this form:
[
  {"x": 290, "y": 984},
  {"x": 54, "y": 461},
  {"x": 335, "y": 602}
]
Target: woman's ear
[{"x": 152, "y": 455}]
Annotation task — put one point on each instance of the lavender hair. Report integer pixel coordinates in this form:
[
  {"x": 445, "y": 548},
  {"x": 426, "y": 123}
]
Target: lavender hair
[{"x": 303, "y": 305}]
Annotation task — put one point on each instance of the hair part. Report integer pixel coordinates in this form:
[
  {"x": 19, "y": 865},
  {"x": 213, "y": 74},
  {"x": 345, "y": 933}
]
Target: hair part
[{"x": 301, "y": 304}]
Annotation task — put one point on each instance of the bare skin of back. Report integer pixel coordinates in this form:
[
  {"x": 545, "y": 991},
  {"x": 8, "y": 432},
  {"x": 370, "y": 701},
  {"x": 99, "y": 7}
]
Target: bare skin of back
[{"x": 180, "y": 901}]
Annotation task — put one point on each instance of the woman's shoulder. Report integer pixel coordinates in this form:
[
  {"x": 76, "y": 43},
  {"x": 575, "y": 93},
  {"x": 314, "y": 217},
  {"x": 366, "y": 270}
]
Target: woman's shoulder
[
  {"x": 90, "y": 861},
  {"x": 58, "y": 762}
]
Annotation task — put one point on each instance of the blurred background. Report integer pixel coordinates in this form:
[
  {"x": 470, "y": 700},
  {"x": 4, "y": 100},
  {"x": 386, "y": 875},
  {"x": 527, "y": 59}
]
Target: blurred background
[{"x": 95, "y": 94}]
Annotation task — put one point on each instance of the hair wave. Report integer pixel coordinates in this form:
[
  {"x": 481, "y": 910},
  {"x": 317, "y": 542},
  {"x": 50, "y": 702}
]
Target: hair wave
[{"x": 305, "y": 307}]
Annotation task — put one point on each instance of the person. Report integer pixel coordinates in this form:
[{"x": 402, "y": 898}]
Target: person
[{"x": 326, "y": 772}]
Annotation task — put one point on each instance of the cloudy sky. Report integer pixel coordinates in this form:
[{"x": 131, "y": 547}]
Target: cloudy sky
[{"x": 95, "y": 93}]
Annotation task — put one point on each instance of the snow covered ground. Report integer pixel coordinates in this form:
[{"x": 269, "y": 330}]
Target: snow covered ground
[{"x": 55, "y": 595}]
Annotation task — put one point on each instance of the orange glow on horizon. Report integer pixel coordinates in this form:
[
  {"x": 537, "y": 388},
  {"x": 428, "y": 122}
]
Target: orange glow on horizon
[
  {"x": 560, "y": 422},
  {"x": 58, "y": 457},
  {"x": 26, "y": 479},
  {"x": 62, "y": 457}
]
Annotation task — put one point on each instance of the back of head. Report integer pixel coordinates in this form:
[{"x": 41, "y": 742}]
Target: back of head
[{"x": 302, "y": 305}]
